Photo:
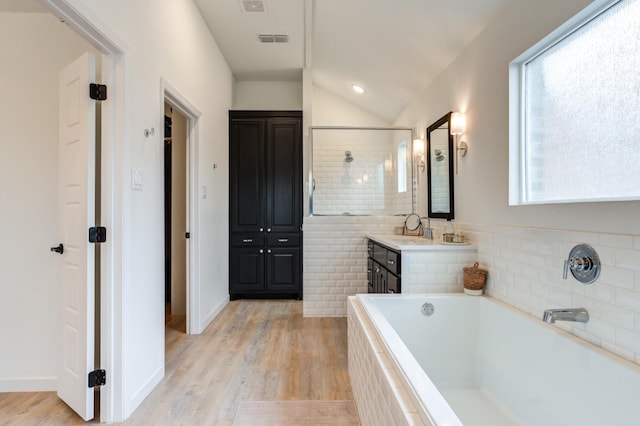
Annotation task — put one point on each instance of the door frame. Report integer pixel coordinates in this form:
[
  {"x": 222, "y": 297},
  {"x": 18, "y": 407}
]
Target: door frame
[
  {"x": 113, "y": 49},
  {"x": 176, "y": 100}
]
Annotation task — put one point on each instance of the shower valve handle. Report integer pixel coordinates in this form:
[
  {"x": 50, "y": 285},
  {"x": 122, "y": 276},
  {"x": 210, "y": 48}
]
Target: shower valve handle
[{"x": 584, "y": 264}]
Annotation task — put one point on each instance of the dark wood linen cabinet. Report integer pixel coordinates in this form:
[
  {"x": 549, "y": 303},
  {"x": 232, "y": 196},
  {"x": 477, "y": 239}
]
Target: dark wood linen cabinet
[{"x": 265, "y": 204}]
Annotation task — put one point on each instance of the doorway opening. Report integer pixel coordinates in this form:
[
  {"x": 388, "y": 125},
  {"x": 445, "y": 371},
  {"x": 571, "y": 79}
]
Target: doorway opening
[
  {"x": 176, "y": 200},
  {"x": 184, "y": 132}
]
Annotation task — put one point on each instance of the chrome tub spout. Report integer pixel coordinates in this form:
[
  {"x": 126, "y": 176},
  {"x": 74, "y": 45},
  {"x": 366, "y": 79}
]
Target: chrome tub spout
[{"x": 566, "y": 314}]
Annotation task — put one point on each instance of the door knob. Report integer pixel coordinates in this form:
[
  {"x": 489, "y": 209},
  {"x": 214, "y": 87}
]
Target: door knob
[{"x": 59, "y": 249}]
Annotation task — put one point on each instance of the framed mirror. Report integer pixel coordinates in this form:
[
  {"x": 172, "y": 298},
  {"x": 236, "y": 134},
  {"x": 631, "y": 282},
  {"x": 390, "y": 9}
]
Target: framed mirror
[{"x": 440, "y": 154}]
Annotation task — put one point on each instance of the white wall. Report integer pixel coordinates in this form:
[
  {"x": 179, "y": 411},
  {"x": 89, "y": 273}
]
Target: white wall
[
  {"x": 524, "y": 247},
  {"x": 34, "y": 48},
  {"x": 165, "y": 40},
  {"x": 330, "y": 109},
  {"x": 267, "y": 95},
  {"x": 477, "y": 82}
]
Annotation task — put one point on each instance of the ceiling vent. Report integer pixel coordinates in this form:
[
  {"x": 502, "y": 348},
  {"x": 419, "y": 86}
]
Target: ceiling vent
[
  {"x": 251, "y": 6},
  {"x": 273, "y": 38}
]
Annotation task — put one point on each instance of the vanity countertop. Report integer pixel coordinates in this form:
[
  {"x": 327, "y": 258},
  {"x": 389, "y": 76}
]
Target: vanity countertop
[{"x": 410, "y": 243}]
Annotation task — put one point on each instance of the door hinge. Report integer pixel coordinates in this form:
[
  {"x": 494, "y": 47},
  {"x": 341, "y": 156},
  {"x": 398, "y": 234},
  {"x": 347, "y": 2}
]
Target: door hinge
[
  {"x": 97, "y": 234},
  {"x": 187, "y": 235},
  {"x": 98, "y": 92},
  {"x": 97, "y": 378}
]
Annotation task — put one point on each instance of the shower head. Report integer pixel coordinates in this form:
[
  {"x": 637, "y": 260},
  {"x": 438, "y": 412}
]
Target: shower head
[{"x": 347, "y": 156}]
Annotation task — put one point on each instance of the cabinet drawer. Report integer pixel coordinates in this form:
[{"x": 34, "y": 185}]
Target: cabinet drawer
[
  {"x": 393, "y": 262},
  {"x": 380, "y": 254},
  {"x": 289, "y": 240},
  {"x": 393, "y": 283},
  {"x": 247, "y": 240},
  {"x": 370, "y": 276}
]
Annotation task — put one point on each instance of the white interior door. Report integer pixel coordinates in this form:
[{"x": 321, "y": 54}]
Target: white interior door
[{"x": 76, "y": 215}]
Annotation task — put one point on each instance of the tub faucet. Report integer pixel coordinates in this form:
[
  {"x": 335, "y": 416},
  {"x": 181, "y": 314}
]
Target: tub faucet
[{"x": 566, "y": 314}]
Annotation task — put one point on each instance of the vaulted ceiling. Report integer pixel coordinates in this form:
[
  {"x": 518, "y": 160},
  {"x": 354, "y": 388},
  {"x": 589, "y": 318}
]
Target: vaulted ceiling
[{"x": 393, "y": 48}]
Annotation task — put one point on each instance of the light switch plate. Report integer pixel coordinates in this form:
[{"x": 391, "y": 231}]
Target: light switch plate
[{"x": 136, "y": 179}]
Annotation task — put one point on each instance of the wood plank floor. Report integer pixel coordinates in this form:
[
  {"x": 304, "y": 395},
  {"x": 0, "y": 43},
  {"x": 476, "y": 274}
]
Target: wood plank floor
[
  {"x": 297, "y": 413},
  {"x": 253, "y": 351}
]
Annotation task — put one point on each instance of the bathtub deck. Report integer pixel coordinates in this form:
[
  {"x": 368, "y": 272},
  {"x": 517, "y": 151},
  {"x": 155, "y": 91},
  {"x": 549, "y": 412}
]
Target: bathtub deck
[{"x": 474, "y": 408}]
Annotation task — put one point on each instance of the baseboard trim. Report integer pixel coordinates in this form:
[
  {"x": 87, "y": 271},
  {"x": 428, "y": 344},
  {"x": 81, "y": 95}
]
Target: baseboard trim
[
  {"x": 136, "y": 399},
  {"x": 213, "y": 314},
  {"x": 29, "y": 384}
]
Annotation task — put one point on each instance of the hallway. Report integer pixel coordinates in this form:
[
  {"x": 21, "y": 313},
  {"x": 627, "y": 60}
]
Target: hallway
[{"x": 253, "y": 351}]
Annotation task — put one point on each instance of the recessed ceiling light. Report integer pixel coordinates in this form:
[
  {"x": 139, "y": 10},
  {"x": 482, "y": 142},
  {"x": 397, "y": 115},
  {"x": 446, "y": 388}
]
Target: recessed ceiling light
[{"x": 357, "y": 88}]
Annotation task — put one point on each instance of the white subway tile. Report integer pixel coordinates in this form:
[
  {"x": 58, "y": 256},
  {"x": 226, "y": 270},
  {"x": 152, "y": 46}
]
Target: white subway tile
[
  {"x": 628, "y": 299},
  {"x": 628, "y": 340},
  {"x": 622, "y": 352},
  {"x": 617, "y": 316},
  {"x": 629, "y": 259},
  {"x": 616, "y": 241},
  {"x": 601, "y": 292},
  {"x": 560, "y": 296}
]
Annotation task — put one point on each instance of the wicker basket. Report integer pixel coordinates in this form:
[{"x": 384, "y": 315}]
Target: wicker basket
[{"x": 474, "y": 279}]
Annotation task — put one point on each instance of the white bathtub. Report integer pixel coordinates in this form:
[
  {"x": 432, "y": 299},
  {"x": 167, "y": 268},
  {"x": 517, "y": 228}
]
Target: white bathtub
[{"x": 476, "y": 361}]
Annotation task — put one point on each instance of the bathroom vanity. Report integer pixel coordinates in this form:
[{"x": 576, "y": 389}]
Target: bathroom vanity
[
  {"x": 408, "y": 264},
  {"x": 383, "y": 268}
]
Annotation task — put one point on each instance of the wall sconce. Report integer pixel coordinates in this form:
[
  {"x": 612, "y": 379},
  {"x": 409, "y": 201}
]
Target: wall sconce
[
  {"x": 458, "y": 126},
  {"x": 418, "y": 153}
]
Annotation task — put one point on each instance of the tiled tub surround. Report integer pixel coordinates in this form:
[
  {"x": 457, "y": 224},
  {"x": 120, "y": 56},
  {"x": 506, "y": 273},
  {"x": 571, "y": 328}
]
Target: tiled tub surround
[
  {"x": 478, "y": 361},
  {"x": 525, "y": 271},
  {"x": 382, "y": 394},
  {"x": 335, "y": 261}
]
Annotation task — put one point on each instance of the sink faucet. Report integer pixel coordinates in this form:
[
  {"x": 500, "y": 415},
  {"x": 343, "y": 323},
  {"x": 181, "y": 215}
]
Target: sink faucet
[
  {"x": 428, "y": 232},
  {"x": 566, "y": 314}
]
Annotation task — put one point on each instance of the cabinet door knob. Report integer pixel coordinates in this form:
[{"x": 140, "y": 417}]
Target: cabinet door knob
[
  {"x": 268, "y": 250},
  {"x": 391, "y": 262},
  {"x": 268, "y": 229},
  {"x": 261, "y": 251},
  {"x": 261, "y": 229}
]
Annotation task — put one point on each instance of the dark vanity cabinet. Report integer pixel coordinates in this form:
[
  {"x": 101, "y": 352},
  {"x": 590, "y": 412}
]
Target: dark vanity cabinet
[
  {"x": 265, "y": 204},
  {"x": 383, "y": 268}
]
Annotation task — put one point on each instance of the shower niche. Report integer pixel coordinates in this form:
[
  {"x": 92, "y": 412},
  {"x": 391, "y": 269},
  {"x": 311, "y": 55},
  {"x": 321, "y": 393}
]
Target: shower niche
[{"x": 361, "y": 171}]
